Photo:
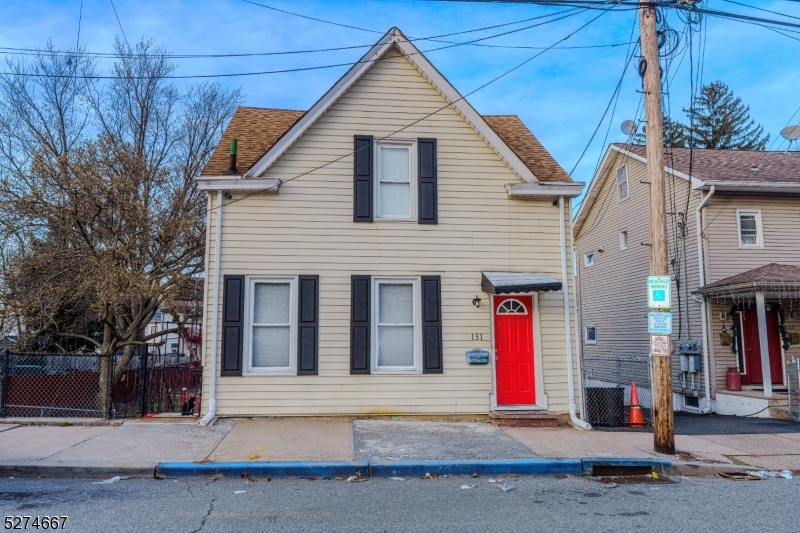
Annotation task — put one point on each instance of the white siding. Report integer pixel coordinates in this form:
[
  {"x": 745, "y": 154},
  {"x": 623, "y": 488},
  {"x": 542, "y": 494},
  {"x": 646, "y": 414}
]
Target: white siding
[
  {"x": 308, "y": 229},
  {"x": 613, "y": 292}
]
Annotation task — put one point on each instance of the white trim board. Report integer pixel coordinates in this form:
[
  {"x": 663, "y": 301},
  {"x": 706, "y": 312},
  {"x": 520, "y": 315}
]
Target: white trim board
[{"x": 393, "y": 38}]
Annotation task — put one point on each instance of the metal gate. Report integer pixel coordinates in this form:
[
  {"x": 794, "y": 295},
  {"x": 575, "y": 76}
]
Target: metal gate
[{"x": 793, "y": 380}]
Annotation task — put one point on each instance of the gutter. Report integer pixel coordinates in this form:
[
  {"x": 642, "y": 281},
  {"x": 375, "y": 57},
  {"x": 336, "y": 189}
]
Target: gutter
[
  {"x": 212, "y": 363},
  {"x": 702, "y": 279},
  {"x": 573, "y": 415}
]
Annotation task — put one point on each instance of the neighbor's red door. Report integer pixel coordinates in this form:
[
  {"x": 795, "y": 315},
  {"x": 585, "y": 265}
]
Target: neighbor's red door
[
  {"x": 752, "y": 347},
  {"x": 513, "y": 332}
]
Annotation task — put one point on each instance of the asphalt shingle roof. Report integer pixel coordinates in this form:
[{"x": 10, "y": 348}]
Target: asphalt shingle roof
[
  {"x": 770, "y": 275},
  {"x": 258, "y": 129},
  {"x": 732, "y": 165}
]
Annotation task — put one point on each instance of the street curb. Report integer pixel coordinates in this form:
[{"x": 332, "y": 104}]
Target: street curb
[
  {"x": 704, "y": 469},
  {"x": 27, "y": 471},
  {"x": 263, "y": 469},
  {"x": 490, "y": 467},
  {"x": 659, "y": 466}
]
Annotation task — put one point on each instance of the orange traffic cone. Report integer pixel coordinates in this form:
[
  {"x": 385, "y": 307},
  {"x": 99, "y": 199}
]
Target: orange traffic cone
[{"x": 635, "y": 416}]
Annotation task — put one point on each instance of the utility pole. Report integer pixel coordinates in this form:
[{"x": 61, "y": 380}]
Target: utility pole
[{"x": 663, "y": 428}]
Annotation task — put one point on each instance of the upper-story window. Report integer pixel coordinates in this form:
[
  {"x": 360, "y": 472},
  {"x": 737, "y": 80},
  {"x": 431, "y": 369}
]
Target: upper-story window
[
  {"x": 395, "y": 191},
  {"x": 588, "y": 260},
  {"x": 622, "y": 182},
  {"x": 750, "y": 230},
  {"x": 623, "y": 239}
]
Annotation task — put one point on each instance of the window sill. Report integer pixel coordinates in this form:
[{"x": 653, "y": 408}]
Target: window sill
[
  {"x": 282, "y": 372},
  {"x": 415, "y": 371},
  {"x": 393, "y": 219},
  {"x": 751, "y": 247}
]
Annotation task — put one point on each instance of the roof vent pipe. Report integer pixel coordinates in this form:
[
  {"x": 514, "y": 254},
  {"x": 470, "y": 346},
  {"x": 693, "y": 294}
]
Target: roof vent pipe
[{"x": 232, "y": 168}]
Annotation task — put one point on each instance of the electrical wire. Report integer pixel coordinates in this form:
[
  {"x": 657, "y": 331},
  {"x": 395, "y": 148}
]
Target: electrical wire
[
  {"x": 120, "y": 24},
  {"x": 493, "y": 80},
  {"x": 565, "y": 14},
  {"x": 762, "y": 9}
]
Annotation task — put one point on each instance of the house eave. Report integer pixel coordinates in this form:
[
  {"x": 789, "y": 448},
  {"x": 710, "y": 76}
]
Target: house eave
[
  {"x": 228, "y": 183},
  {"x": 749, "y": 187},
  {"x": 545, "y": 189}
]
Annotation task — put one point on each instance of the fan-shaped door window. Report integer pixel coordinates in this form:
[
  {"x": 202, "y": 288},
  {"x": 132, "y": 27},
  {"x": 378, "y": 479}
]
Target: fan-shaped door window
[{"x": 512, "y": 307}]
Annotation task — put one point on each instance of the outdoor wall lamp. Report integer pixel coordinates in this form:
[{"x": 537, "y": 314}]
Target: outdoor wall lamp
[
  {"x": 476, "y": 301},
  {"x": 227, "y": 196}
]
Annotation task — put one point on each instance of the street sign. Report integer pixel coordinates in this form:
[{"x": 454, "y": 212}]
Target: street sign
[
  {"x": 659, "y": 295},
  {"x": 659, "y": 344},
  {"x": 659, "y": 323}
]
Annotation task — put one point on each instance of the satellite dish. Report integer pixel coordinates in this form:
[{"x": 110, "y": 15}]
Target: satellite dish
[
  {"x": 791, "y": 133},
  {"x": 629, "y": 127}
]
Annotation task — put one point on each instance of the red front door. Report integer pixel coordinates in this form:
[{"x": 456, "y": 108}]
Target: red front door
[
  {"x": 752, "y": 347},
  {"x": 513, "y": 339}
]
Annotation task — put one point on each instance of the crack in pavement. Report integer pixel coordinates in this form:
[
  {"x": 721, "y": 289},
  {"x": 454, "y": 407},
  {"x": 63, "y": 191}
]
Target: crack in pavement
[{"x": 210, "y": 506}]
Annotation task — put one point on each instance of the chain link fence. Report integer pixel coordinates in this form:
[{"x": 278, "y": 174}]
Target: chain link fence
[
  {"x": 607, "y": 385},
  {"x": 52, "y": 385},
  {"x": 793, "y": 380},
  {"x": 71, "y": 385}
]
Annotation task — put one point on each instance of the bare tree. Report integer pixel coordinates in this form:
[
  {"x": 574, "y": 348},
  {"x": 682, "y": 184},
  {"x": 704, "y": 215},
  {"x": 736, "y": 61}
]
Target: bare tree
[{"x": 108, "y": 224}]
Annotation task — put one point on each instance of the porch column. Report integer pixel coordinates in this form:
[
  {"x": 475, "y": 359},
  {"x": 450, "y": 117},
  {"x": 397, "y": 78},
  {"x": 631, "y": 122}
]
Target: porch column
[{"x": 763, "y": 342}]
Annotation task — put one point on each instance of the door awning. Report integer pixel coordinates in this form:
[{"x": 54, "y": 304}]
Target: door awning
[{"x": 512, "y": 282}]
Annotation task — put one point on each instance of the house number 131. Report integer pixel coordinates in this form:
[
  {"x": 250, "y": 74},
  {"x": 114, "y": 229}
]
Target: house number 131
[{"x": 477, "y": 336}]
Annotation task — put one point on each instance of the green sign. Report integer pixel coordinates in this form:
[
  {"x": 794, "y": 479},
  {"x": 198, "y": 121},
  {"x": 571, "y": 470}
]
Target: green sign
[
  {"x": 659, "y": 323},
  {"x": 659, "y": 293}
]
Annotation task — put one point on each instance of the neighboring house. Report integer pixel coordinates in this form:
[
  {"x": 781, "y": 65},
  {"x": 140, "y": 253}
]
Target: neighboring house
[
  {"x": 749, "y": 203},
  {"x": 364, "y": 246},
  {"x": 185, "y": 312}
]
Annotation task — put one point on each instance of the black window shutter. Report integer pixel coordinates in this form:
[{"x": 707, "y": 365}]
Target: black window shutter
[
  {"x": 360, "y": 288},
  {"x": 428, "y": 194},
  {"x": 432, "y": 325},
  {"x": 308, "y": 325},
  {"x": 362, "y": 179},
  {"x": 232, "y": 325}
]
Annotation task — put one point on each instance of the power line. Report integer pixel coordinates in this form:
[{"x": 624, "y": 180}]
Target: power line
[
  {"x": 762, "y": 9},
  {"x": 504, "y": 74},
  {"x": 565, "y": 14},
  {"x": 120, "y": 24}
]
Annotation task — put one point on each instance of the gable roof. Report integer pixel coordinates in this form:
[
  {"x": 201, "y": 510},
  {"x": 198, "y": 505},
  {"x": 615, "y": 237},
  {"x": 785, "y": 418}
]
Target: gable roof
[
  {"x": 727, "y": 170},
  {"x": 258, "y": 129},
  {"x": 769, "y": 276},
  {"x": 730, "y": 165},
  {"x": 526, "y": 158}
]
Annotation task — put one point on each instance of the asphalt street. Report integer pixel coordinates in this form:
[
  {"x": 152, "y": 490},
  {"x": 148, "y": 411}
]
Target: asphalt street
[{"x": 413, "y": 505}]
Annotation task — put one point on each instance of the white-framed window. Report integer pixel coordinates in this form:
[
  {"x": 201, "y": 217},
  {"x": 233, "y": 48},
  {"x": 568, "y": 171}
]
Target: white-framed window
[
  {"x": 396, "y": 171},
  {"x": 622, "y": 182},
  {"x": 588, "y": 260},
  {"x": 173, "y": 347},
  {"x": 751, "y": 234},
  {"x": 272, "y": 325},
  {"x": 590, "y": 334},
  {"x": 396, "y": 339},
  {"x": 623, "y": 239}
]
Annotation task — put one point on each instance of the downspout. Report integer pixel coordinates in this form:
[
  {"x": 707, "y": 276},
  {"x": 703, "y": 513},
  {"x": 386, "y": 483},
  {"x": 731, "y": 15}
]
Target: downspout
[
  {"x": 212, "y": 355},
  {"x": 573, "y": 415},
  {"x": 577, "y": 329},
  {"x": 701, "y": 274}
]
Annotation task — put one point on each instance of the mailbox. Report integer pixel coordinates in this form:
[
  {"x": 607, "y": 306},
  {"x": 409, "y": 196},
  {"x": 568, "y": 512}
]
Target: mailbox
[{"x": 477, "y": 356}]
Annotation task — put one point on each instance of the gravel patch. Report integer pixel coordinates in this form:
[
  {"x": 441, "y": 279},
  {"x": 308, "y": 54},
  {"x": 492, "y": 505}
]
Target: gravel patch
[{"x": 381, "y": 440}]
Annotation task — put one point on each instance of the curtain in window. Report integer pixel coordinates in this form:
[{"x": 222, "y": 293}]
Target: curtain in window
[
  {"x": 271, "y": 325},
  {"x": 748, "y": 229},
  {"x": 395, "y": 325},
  {"x": 395, "y": 186}
]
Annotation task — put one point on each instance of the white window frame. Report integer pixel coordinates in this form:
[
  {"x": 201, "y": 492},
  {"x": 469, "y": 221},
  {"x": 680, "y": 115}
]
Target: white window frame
[
  {"x": 248, "y": 332},
  {"x": 587, "y": 261},
  {"x": 417, "y": 314},
  {"x": 759, "y": 228},
  {"x": 623, "y": 168},
  {"x": 586, "y": 334},
  {"x": 623, "y": 239},
  {"x": 412, "y": 179}
]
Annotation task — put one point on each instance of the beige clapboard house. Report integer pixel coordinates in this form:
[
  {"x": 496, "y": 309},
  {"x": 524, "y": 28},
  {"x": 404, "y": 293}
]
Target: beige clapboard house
[
  {"x": 748, "y": 208},
  {"x": 364, "y": 246}
]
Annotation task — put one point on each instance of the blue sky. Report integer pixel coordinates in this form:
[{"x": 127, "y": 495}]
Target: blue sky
[{"x": 560, "y": 95}]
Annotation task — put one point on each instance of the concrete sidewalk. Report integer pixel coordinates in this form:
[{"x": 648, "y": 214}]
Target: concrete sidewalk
[{"x": 137, "y": 446}]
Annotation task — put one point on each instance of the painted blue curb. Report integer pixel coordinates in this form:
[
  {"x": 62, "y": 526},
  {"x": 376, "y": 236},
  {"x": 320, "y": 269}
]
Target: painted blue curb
[
  {"x": 263, "y": 469},
  {"x": 486, "y": 467},
  {"x": 657, "y": 465}
]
